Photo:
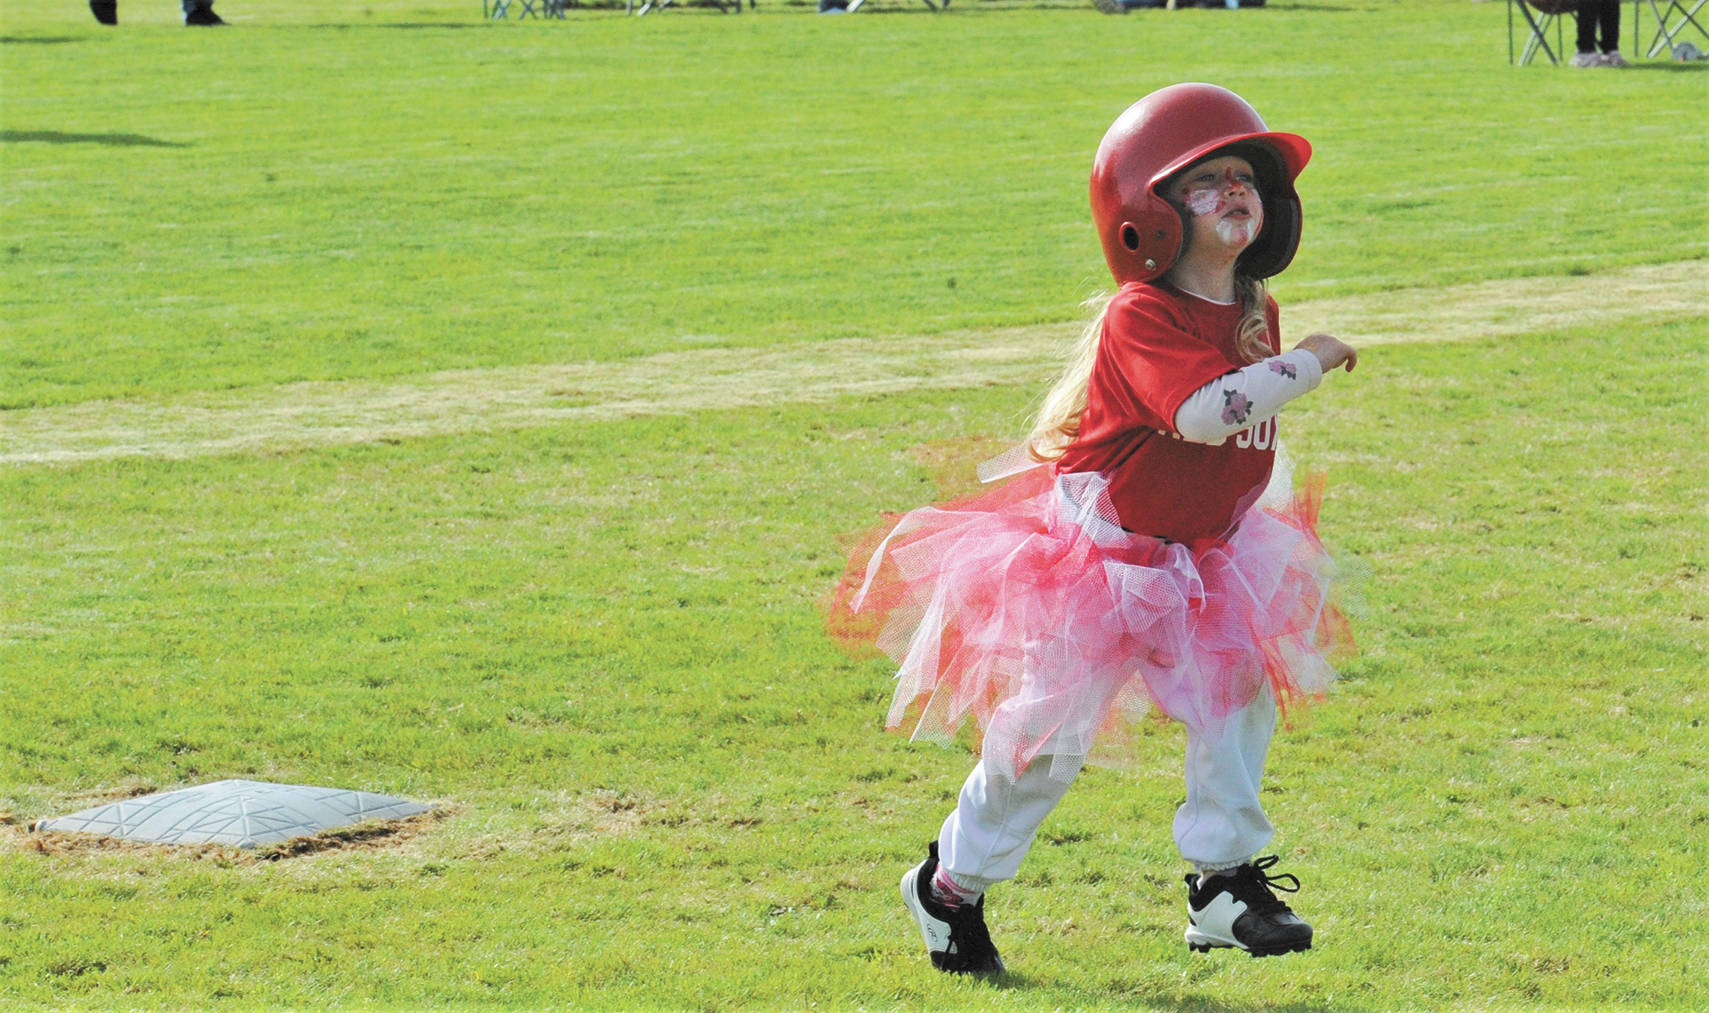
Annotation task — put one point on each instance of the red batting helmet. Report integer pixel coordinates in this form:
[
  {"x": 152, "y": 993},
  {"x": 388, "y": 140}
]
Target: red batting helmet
[{"x": 1160, "y": 135}]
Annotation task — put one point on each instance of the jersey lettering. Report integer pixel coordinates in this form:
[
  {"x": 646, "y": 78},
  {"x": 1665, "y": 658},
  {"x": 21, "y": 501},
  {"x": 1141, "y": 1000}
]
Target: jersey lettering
[{"x": 1260, "y": 437}]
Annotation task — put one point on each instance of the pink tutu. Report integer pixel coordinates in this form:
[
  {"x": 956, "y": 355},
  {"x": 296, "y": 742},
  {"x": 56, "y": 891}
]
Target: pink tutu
[{"x": 1056, "y": 630}]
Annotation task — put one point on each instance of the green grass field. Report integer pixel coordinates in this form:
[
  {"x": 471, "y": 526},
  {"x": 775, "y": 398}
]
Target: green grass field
[{"x": 476, "y": 412}]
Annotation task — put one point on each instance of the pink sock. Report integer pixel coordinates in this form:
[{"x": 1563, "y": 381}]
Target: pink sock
[{"x": 949, "y": 893}]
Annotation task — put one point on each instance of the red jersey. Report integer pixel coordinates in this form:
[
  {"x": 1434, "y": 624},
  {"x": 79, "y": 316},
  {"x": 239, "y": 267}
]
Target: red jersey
[{"x": 1159, "y": 345}]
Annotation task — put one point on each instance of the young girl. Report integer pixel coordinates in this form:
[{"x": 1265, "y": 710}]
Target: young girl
[{"x": 1161, "y": 560}]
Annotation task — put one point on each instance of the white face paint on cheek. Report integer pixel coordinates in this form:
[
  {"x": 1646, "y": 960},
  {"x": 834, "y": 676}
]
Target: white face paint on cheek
[{"x": 1203, "y": 203}]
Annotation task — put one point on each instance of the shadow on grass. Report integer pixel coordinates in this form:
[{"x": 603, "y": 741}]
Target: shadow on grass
[
  {"x": 1013, "y": 981},
  {"x": 408, "y": 26},
  {"x": 108, "y": 140},
  {"x": 1673, "y": 66},
  {"x": 1207, "y": 1004},
  {"x": 31, "y": 40}
]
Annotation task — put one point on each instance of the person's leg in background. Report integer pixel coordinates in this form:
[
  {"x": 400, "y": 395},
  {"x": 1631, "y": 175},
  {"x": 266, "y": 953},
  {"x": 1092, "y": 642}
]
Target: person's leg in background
[
  {"x": 1608, "y": 18},
  {"x": 1587, "y": 17},
  {"x": 201, "y": 12},
  {"x": 1599, "y": 19}
]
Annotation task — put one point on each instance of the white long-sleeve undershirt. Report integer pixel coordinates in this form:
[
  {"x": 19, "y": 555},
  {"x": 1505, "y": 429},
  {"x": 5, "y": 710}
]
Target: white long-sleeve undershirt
[{"x": 1247, "y": 396}]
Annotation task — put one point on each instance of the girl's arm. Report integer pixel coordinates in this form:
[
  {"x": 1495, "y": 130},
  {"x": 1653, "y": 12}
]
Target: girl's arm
[{"x": 1248, "y": 396}]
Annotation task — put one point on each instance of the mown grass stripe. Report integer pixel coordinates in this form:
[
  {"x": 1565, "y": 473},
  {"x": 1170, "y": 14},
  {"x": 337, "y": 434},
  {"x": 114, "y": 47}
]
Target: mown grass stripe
[{"x": 348, "y": 412}]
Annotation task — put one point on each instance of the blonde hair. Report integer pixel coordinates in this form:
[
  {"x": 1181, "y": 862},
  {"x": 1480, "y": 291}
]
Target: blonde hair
[
  {"x": 1252, "y": 337},
  {"x": 1058, "y": 420}
]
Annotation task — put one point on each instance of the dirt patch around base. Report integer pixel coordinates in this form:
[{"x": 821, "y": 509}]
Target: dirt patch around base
[{"x": 374, "y": 835}]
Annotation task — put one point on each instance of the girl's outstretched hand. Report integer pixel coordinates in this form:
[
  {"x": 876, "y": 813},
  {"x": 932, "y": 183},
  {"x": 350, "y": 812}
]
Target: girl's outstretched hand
[{"x": 1330, "y": 351}]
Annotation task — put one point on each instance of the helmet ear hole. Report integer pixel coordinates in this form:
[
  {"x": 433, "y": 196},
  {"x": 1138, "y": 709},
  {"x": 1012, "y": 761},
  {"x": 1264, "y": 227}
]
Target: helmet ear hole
[{"x": 1130, "y": 237}]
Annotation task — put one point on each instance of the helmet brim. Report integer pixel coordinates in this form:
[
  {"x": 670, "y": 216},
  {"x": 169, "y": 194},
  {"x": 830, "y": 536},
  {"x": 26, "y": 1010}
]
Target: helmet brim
[{"x": 1293, "y": 150}]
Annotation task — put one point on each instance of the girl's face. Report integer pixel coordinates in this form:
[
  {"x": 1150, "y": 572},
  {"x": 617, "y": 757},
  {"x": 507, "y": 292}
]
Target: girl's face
[{"x": 1220, "y": 197}]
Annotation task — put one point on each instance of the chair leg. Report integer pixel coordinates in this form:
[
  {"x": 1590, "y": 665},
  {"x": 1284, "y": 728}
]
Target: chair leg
[
  {"x": 1658, "y": 41},
  {"x": 1539, "y": 35},
  {"x": 1665, "y": 37}
]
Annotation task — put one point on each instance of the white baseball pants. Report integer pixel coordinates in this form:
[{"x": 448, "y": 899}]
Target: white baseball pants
[{"x": 1221, "y": 825}]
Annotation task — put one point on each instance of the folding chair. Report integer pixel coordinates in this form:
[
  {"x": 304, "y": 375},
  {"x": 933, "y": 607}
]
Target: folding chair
[
  {"x": 658, "y": 5},
  {"x": 855, "y": 5},
  {"x": 497, "y": 9},
  {"x": 1540, "y": 16},
  {"x": 1667, "y": 35}
]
